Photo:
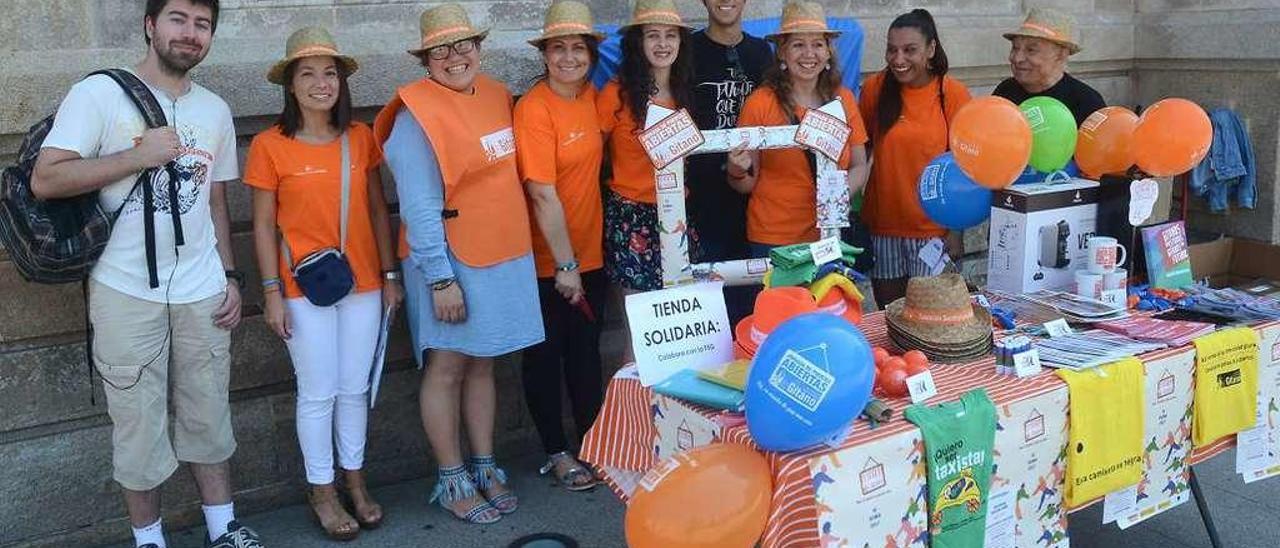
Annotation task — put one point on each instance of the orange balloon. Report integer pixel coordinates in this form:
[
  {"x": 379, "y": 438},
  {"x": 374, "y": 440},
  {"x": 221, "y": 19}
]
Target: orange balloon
[
  {"x": 1172, "y": 136},
  {"x": 715, "y": 496},
  {"x": 991, "y": 140},
  {"x": 1105, "y": 141}
]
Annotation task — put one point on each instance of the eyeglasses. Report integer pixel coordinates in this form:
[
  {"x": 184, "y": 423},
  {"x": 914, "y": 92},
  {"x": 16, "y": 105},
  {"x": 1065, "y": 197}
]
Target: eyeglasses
[{"x": 461, "y": 47}]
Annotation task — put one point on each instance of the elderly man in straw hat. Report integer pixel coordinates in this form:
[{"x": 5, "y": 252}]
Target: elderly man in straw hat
[
  {"x": 1038, "y": 59},
  {"x": 469, "y": 279}
]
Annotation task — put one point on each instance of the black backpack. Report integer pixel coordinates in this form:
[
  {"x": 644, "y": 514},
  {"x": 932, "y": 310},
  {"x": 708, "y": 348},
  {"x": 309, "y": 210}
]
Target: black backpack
[{"x": 58, "y": 241}]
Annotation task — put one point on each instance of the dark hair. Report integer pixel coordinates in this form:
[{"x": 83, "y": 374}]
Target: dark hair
[
  {"x": 593, "y": 52},
  {"x": 290, "y": 120},
  {"x": 635, "y": 76},
  {"x": 889, "y": 104},
  {"x": 154, "y": 7},
  {"x": 776, "y": 78}
]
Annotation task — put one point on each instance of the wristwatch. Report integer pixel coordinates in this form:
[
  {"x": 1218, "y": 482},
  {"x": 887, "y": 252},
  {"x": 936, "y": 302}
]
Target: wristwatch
[
  {"x": 391, "y": 275},
  {"x": 236, "y": 276},
  {"x": 567, "y": 267}
]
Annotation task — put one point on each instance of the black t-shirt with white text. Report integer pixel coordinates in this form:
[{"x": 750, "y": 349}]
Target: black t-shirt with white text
[
  {"x": 724, "y": 76},
  {"x": 1081, "y": 99}
]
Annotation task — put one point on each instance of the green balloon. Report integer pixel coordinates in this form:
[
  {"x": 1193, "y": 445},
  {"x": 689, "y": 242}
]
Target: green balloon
[{"x": 1053, "y": 133}]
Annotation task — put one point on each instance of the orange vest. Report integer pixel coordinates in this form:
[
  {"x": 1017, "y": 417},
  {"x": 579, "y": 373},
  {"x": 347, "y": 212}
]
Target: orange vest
[{"x": 485, "y": 221}]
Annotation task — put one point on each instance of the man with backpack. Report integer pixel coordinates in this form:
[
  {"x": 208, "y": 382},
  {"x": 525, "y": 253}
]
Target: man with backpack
[{"x": 163, "y": 295}]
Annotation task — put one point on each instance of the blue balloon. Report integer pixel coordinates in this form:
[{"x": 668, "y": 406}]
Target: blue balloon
[
  {"x": 1031, "y": 176},
  {"x": 950, "y": 197},
  {"x": 808, "y": 381}
]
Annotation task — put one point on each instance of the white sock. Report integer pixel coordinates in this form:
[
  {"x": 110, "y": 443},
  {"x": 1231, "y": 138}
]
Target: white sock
[
  {"x": 216, "y": 518},
  {"x": 151, "y": 534}
]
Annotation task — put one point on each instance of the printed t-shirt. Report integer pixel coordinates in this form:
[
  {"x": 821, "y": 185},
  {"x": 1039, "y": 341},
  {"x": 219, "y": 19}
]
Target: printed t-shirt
[
  {"x": 783, "y": 205},
  {"x": 633, "y": 173},
  {"x": 1226, "y": 395},
  {"x": 98, "y": 119},
  {"x": 958, "y": 439},
  {"x": 1105, "y": 428},
  {"x": 558, "y": 143},
  {"x": 892, "y": 204},
  {"x": 308, "y": 187},
  {"x": 723, "y": 78}
]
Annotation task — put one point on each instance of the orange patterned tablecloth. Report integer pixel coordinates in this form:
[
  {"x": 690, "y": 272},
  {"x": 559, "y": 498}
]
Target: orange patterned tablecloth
[{"x": 624, "y": 442}]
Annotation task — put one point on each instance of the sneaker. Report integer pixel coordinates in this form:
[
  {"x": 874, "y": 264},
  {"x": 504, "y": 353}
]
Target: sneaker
[{"x": 237, "y": 536}]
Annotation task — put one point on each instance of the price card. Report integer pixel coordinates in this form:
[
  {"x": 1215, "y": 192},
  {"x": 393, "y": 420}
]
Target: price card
[
  {"x": 824, "y": 133},
  {"x": 1058, "y": 328},
  {"x": 1026, "y": 364},
  {"x": 825, "y": 250},
  {"x": 1119, "y": 503},
  {"x": 671, "y": 139},
  {"x": 921, "y": 387}
]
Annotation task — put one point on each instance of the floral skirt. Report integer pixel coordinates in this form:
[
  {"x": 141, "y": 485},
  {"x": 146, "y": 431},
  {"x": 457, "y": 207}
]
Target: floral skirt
[{"x": 632, "y": 247}]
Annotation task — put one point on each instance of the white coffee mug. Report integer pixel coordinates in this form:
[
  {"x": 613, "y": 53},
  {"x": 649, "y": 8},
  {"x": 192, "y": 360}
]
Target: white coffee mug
[
  {"x": 1115, "y": 287},
  {"x": 1105, "y": 254},
  {"x": 1088, "y": 284}
]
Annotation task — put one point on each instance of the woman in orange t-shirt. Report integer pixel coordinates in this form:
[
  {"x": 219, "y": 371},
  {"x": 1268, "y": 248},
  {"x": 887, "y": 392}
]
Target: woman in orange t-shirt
[
  {"x": 657, "y": 68},
  {"x": 295, "y": 169},
  {"x": 783, "y": 205},
  {"x": 908, "y": 108},
  {"x": 559, "y": 149}
]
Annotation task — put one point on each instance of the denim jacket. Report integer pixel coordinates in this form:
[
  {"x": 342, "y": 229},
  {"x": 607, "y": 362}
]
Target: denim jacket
[{"x": 1229, "y": 167}]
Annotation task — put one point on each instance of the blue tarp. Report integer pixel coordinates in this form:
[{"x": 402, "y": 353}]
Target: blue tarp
[{"x": 848, "y": 48}]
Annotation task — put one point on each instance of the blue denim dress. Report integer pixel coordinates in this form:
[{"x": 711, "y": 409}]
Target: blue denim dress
[{"x": 503, "y": 313}]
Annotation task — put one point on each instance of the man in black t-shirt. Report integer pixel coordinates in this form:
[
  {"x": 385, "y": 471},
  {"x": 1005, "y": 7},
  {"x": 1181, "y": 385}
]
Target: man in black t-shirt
[
  {"x": 728, "y": 66},
  {"x": 1038, "y": 59}
]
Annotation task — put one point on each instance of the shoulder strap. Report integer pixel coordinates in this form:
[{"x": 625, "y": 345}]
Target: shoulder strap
[
  {"x": 346, "y": 188},
  {"x": 140, "y": 94},
  {"x": 345, "y": 201}
]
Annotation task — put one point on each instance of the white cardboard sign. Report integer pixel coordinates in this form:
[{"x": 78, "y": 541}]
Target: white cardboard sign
[
  {"x": 824, "y": 133},
  {"x": 679, "y": 328},
  {"x": 671, "y": 139}
]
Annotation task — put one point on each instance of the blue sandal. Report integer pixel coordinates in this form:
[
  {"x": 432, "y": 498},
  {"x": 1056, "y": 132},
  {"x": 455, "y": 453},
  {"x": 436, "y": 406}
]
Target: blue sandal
[
  {"x": 486, "y": 475},
  {"x": 453, "y": 485}
]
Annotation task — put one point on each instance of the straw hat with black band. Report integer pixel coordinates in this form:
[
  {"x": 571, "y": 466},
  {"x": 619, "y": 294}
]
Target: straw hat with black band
[
  {"x": 1051, "y": 25},
  {"x": 444, "y": 25},
  {"x": 567, "y": 18},
  {"x": 310, "y": 42}
]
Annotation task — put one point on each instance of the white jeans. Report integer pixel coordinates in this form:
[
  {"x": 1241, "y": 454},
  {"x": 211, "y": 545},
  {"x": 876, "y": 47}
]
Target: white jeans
[{"x": 332, "y": 351}]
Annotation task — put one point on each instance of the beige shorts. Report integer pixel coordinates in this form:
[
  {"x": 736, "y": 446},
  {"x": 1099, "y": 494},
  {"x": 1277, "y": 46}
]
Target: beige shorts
[{"x": 141, "y": 348}]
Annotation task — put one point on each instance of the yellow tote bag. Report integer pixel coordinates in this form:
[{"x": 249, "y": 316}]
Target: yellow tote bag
[
  {"x": 1226, "y": 396},
  {"x": 1104, "y": 448}
]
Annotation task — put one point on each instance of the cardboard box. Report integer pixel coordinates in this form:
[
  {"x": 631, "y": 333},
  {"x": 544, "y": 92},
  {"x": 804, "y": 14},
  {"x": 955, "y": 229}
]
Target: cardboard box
[
  {"x": 1247, "y": 265},
  {"x": 1039, "y": 233}
]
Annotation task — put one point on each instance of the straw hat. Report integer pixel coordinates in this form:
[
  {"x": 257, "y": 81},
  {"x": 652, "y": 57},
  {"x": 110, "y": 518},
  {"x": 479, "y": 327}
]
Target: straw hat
[
  {"x": 309, "y": 42},
  {"x": 937, "y": 314},
  {"x": 654, "y": 12},
  {"x": 1052, "y": 25},
  {"x": 773, "y": 306},
  {"x": 802, "y": 17},
  {"x": 567, "y": 18},
  {"x": 446, "y": 24}
]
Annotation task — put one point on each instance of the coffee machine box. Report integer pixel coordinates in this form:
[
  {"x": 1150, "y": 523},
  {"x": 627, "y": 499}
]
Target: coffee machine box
[{"x": 1039, "y": 234}]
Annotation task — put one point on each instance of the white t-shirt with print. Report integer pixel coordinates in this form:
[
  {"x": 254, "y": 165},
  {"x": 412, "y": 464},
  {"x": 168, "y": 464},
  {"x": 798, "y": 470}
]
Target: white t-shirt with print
[{"x": 97, "y": 119}]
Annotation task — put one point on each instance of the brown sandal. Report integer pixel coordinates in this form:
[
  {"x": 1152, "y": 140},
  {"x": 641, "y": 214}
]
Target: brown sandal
[
  {"x": 367, "y": 512},
  {"x": 341, "y": 526}
]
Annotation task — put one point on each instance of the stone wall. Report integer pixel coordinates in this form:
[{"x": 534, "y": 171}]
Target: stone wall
[{"x": 54, "y": 445}]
